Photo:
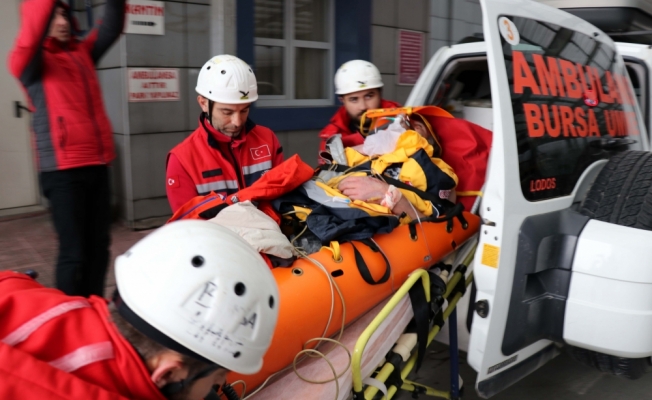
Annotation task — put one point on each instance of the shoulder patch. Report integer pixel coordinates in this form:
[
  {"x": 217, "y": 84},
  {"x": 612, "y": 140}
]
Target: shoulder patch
[{"x": 173, "y": 181}]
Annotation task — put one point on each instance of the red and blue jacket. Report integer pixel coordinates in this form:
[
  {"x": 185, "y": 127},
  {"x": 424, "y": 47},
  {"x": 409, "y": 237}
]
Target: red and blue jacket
[
  {"x": 70, "y": 124},
  {"x": 209, "y": 161}
]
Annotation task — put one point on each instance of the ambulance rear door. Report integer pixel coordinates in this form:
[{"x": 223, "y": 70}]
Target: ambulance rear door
[{"x": 562, "y": 105}]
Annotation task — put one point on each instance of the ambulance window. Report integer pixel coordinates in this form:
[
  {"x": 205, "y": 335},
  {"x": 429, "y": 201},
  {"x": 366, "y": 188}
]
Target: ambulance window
[
  {"x": 463, "y": 81},
  {"x": 571, "y": 103},
  {"x": 637, "y": 72}
]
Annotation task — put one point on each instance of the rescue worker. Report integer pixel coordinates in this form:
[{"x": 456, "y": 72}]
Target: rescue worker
[
  {"x": 193, "y": 302},
  {"x": 358, "y": 85},
  {"x": 228, "y": 151},
  {"x": 73, "y": 135}
]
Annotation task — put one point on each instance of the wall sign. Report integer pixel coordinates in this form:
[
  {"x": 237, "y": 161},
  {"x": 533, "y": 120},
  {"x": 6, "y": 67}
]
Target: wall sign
[
  {"x": 153, "y": 84},
  {"x": 410, "y": 56},
  {"x": 145, "y": 17}
]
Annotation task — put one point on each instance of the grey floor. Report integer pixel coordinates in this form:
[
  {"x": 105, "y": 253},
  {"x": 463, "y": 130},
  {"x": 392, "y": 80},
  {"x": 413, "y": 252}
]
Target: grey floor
[{"x": 562, "y": 378}]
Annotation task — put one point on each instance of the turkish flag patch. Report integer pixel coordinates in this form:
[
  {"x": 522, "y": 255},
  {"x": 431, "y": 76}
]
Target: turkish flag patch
[
  {"x": 173, "y": 181},
  {"x": 258, "y": 153}
]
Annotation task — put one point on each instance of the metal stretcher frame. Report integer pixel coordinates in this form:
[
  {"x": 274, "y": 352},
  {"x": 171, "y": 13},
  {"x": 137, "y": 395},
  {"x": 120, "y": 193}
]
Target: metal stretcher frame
[{"x": 453, "y": 295}]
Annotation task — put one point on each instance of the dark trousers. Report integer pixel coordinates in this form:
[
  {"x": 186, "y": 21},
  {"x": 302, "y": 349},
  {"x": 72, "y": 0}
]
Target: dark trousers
[{"x": 81, "y": 211}]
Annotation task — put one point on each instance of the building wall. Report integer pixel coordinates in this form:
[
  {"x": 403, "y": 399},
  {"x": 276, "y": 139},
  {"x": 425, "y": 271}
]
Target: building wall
[
  {"x": 145, "y": 132},
  {"x": 388, "y": 16},
  {"x": 453, "y": 20}
]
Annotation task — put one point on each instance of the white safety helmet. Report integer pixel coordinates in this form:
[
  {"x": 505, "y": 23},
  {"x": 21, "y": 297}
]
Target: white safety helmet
[
  {"x": 357, "y": 75},
  {"x": 199, "y": 289},
  {"x": 227, "y": 79}
]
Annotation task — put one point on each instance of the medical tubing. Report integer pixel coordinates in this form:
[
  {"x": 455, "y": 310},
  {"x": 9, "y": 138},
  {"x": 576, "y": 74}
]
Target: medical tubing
[
  {"x": 314, "y": 352},
  {"x": 229, "y": 392},
  {"x": 423, "y": 231},
  {"x": 244, "y": 386}
]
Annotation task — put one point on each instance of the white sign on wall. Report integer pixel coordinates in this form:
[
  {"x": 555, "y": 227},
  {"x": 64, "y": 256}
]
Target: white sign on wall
[
  {"x": 153, "y": 84},
  {"x": 145, "y": 17}
]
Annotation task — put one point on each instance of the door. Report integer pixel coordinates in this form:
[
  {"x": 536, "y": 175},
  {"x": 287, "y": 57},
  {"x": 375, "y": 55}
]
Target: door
[
  {"x": 562, "y": 105},
  {"x": 18, "y": 176}
]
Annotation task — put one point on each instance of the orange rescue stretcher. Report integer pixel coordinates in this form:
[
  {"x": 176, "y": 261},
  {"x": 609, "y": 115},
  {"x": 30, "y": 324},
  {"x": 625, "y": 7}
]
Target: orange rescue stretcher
[{"x": 308, "y": 308}]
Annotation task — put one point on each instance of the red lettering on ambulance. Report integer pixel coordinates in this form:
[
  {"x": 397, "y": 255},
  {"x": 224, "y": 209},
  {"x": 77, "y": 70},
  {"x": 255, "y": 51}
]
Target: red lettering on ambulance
[
  {"x": 523, "y": 77},
  {"x": 549, "y": 76},
  {"x": 533, "y": 118},
  {"x": 573, "y": 88}
]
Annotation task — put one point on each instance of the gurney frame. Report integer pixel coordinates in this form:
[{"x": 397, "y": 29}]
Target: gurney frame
[{"x": 455, "y": 289}]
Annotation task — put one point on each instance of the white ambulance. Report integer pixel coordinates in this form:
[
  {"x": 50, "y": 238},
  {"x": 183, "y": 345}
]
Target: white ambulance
[{"x": 567, "y": 205}]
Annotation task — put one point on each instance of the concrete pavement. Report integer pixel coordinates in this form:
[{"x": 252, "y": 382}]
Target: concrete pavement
[{"x": 31, "y": 243}]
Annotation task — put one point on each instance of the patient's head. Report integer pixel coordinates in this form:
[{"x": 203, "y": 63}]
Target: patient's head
[{"x": 425, "y": 130}]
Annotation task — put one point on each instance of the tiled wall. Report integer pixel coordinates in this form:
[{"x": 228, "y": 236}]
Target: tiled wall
[
  {"x": 452, "y": 20},
  {"x": 145, "y": 132},
  {"x": 387, "y": 17},
  {"x": 303, "y": 143}
]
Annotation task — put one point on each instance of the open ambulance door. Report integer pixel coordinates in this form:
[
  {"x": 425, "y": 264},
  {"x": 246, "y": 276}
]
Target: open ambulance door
[{"x": 551, "y": 75}]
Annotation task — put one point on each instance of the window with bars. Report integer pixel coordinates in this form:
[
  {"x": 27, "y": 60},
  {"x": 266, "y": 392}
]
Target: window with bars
[{"x": 293, "y": 52}]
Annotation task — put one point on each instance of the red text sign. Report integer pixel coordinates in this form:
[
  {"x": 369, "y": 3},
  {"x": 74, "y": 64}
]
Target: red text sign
[{"x": 153, "y": 84}]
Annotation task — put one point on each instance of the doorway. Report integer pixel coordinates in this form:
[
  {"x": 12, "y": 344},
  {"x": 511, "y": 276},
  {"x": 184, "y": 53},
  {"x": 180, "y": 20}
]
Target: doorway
[{"x": 19, "y": 191}]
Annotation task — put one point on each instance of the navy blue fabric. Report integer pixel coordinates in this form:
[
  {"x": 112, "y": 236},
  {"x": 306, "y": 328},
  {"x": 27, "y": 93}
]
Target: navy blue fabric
[
  {"x": 333, "y": 223},
  {"x": 436, "y": 179}
]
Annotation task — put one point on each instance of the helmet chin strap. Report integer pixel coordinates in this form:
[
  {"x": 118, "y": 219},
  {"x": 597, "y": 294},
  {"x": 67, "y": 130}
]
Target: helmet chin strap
[
  {"x": 210, "y": 112},
  {"x": 176, "y": 387}
]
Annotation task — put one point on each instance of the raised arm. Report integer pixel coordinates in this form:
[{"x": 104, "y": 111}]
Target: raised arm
[
  {"x": 26, "y": 57},
  {"x": 109, "y": 30}
]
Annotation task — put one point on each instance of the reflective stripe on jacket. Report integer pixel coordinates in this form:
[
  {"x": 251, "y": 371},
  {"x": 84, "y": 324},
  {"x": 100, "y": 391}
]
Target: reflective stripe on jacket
[
  {"x": 280, "y": 180},
  {"x": 217, "y": 163},
  {"x": 54, "y": 346}
]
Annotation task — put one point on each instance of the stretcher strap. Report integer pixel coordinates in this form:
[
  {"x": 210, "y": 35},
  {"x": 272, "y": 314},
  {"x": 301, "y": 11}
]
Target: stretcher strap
[
  {"x": 377, "y": 384},
  {"x": 335, "y": 249},
  {"x": 337, "y": 254},
  {"x": 362, "y": 265},
  {"x": 421, "y": 309},
  {"x": 213, "y": 211},
  {"x": 470, "y": 193}
]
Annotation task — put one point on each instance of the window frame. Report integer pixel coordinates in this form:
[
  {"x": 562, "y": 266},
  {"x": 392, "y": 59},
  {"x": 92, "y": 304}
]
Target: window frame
[
  {"x": 641, "y": 70},
  {"x": 289, "y": 44}
]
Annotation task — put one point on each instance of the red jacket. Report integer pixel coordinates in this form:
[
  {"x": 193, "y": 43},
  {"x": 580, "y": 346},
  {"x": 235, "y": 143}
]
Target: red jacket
[
  {"x": 209, "y": 161},
  {"x": 282, "y": 179},
  {"x": 70, "y": 125},
  {"x": 54, "y": 346},
  {"x": 341, "y": 123}
]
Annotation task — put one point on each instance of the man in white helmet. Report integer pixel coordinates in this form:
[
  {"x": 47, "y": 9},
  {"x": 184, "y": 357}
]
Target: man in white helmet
[
  {"x": 193, "y": 302},
  {"x": 358, "y": 85},
  {"x": 228, "y": 151}
]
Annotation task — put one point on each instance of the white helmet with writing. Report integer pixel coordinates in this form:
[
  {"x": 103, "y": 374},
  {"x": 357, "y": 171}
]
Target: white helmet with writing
[
  {"x": 357, "y": 75},
  {"x": 199, "y": 289},
  {"x": 227, "y": 79}
]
